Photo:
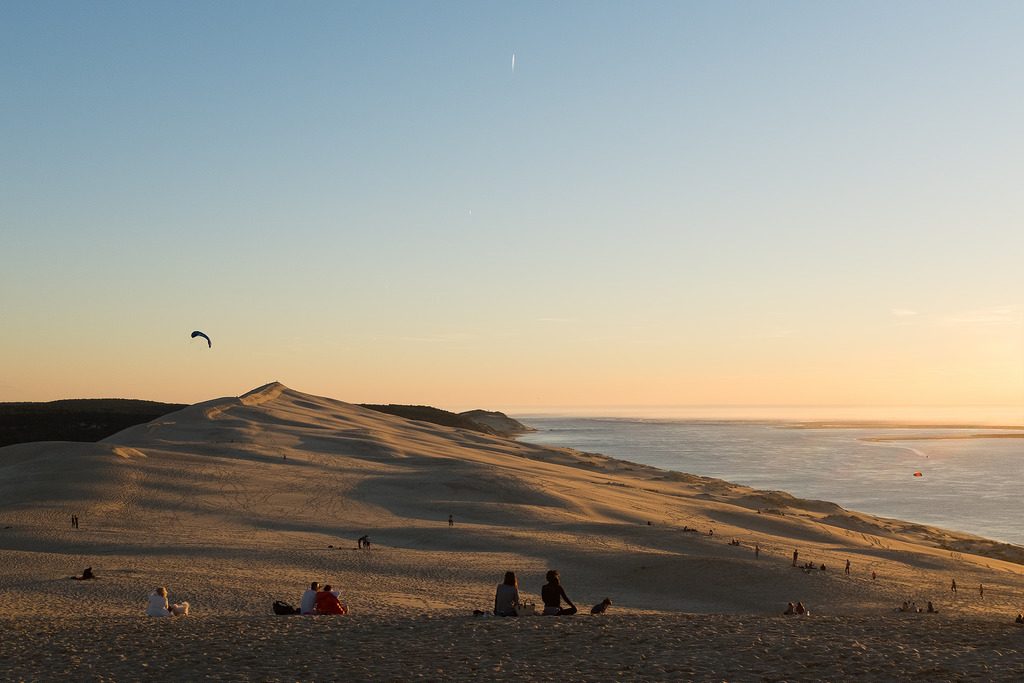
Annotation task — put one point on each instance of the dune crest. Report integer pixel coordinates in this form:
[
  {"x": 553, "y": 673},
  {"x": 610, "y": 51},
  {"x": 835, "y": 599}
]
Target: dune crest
[{"x": 263, "y": 394}]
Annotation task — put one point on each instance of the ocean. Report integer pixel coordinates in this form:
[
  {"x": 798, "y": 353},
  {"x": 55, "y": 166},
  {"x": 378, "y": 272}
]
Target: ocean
[{"x": 971, "y": 485}]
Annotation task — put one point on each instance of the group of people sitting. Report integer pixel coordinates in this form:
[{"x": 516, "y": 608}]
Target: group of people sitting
[
  {"x": 798, "y": 608},
  {"x": 159, "y": 607},
  {"x": 911, "y": 606},
  {"x": 507, "y": 603},
  {"x": 317, "y": 600}
]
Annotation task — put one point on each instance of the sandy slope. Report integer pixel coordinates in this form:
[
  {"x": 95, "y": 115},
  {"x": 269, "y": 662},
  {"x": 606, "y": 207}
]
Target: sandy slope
[{"x": 236, "y": 502}]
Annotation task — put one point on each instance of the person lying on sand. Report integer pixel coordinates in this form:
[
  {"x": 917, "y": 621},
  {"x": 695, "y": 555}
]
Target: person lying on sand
[
  {"x": 158, "y": 606},
  {"x": 327, "y": 602},
  {"x": 307, "y": 604},
  {"x": 506, "y": 597},
  {"x": 552, "y": 594}
]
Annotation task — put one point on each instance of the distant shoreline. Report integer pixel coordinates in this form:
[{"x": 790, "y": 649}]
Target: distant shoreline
[
  {"x": 783, "y": 423},
  {"x": 944, "y": 437},
  {"x": 899, "y": 425}
]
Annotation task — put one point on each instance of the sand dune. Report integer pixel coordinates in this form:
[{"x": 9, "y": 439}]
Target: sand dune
[{"x": 236, "y": 502}]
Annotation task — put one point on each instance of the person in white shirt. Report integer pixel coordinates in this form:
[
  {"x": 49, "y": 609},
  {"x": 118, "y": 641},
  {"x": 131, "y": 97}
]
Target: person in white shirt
[
  {"x": 158, "y": 606},
  {"x": 308, "y": 603}
]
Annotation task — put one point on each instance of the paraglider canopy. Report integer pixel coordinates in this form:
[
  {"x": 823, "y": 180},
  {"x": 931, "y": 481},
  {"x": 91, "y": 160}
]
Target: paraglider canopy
[
  {"x": 918, "y": 474},
  {"x": 197, "y": 333}
]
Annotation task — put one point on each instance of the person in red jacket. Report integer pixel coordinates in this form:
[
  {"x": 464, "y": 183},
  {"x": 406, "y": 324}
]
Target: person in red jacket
[{"x": 327, "y": 602}]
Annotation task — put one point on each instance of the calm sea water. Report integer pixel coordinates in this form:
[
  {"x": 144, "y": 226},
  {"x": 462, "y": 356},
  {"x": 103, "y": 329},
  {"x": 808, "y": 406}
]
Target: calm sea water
[{"x": 968, "y": 485}]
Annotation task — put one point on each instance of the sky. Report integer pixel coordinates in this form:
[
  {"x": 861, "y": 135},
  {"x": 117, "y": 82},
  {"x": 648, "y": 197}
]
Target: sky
[{"x": 663, "y": 203}]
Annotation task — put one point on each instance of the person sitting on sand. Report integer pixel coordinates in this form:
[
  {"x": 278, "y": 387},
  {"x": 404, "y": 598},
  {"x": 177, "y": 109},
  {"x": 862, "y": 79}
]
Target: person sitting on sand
[
  {"x": 506, "y": 597},
  {"x": 307, "y": 605},
  {"x": 158, "y": 606},
  {"x": 905, "y": 607},
  {"x": 327, "y": 602},
  {"x": 552, "y": 594},
  {"x": 1020, "y": 618},
  {"x": 931, "y": 609},
  {"x": 790, "y": 608},
  {"x": 800, "y": 609},
  {"x": 86, "y": 575}
]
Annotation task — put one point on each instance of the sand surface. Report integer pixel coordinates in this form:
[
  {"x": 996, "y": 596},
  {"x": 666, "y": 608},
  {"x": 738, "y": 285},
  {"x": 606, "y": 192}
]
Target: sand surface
[
  {"x": 436, "y": 648},
  {"x": 237, "y": 502}
]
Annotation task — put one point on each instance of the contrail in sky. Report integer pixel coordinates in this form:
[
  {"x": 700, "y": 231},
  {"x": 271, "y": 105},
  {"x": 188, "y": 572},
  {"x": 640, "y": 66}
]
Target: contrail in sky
[{"x": 513, "y": 62}]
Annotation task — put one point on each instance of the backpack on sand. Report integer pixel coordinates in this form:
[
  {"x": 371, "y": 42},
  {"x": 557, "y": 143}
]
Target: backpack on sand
[{"x": 281, "y": 607}]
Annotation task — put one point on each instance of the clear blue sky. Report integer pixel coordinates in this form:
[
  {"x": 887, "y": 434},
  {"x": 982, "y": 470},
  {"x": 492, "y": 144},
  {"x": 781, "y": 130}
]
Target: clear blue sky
[{"x": 797, "y": 202}]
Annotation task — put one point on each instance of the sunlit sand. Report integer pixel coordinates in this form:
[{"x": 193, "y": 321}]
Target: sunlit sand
[{"x": 238, "y": 502}]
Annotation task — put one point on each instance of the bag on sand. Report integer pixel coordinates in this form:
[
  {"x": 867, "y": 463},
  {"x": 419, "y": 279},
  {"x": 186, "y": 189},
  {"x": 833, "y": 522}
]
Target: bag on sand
[{"x": 281, "y": 607}]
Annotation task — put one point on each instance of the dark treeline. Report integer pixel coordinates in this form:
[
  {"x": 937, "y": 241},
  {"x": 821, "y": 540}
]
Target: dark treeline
[
  {"x": 93, "y": 419},
  {"x": 432, "y": 415},
  {"x": 85, "y": 419}
]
